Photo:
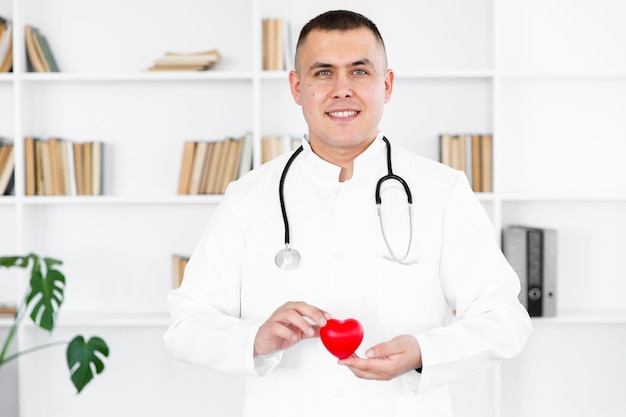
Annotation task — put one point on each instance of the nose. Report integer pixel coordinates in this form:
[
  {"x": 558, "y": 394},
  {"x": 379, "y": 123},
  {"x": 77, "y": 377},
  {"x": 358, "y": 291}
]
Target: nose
[{"x": 342, "y": 87}]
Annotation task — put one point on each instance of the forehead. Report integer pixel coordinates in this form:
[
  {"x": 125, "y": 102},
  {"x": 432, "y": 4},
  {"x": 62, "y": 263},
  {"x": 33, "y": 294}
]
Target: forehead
[{"x": 337, "y": 47}]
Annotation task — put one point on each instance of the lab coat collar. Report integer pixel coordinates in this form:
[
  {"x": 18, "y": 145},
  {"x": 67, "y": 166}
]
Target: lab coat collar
[{"x": 328, "y": 173}]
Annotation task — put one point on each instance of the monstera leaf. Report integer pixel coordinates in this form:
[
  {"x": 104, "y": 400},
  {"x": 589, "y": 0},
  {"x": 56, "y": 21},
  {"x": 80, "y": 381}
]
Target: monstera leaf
[
  {"x": 44, "y": 298},
  {"x": 80, "y": 357},
  {"x": 46, "y": 293}
]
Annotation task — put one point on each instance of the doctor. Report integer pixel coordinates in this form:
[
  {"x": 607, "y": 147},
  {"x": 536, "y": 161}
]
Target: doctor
[{"x": 447, "y": 310}]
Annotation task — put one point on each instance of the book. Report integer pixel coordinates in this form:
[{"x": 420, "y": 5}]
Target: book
[
  {"x": 180, "y": 61},
  {"x": 39, "y": 169},
  {"x": 7, "y": 168},
  {"x": 216, "y": 173},
  {"x": 79, "y": 168},
  {"x": 277, "y": 45},
  {"x": 97, "y": 156},
  {"x": 6, "y": 45},
  {"x": 62, "y": 167},
  {"x": 7, "y": 310},
  {"x": 207, "y": 167},
  {"x": 472, "y": 154},
  {"x": 232, "y": 158},
  {"x": 38, "y": 52},
  {"x": 186, "y": 167},
  {"x": 56, "y": 166},
  {"x": 198, "y": 167},
  {"x": 486, "y": 163},
  {"x": 35, "y": 60},
  {"x": 207, "y": 179},
  {"x": 532, "y": 252},
  {"x": 30, "y": 166},
  {"x": 44, "y": 51}
]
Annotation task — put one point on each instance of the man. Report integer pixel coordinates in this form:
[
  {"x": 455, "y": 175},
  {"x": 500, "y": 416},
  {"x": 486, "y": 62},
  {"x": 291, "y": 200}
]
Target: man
[{"x": 434, "y": 294}]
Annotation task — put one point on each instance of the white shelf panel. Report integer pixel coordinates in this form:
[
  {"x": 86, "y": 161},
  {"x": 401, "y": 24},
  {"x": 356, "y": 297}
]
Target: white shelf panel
[
  {"x": 161, "y": 319},
  {"x": 121, "y": 200},
  {"x": 584, "y": 317},
  {"x": 117, "y": 319},
  {"x": 138, "y": 76},
  {"x": 563, "y": 197},
  {"x": 563, "y": 74}
]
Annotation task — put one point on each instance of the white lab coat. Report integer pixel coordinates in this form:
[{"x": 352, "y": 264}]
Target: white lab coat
[{"x": 459, "y": 300}]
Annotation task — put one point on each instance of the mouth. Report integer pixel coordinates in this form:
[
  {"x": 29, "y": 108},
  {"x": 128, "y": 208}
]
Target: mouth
[{"x": 342, "y": 114}]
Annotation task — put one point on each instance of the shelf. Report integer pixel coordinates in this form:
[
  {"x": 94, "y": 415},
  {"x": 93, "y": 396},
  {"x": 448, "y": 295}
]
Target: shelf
[
  {"x": 118, "y": 319},
  {"x": 562, "y": 197},
  {"x": 139, "y": 76},
  {"x": 121, "y": 200},
  {"x": 162, "y": 319},
  {"x": 551, "y": 94},
  {"x": 562, "y": 74},
  {"x": 7, "y": 201},
  {"x": 585, "y": 317},
  {"x": 99, "y": 320},
  {"x": 138, "y": 200}
]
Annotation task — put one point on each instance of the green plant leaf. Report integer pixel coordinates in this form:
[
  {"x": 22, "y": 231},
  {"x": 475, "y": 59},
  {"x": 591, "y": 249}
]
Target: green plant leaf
[
  {"x": 81, "y": 356},
  {"x": 20, "y": 261},
  {"x": 46, "y": 294}
]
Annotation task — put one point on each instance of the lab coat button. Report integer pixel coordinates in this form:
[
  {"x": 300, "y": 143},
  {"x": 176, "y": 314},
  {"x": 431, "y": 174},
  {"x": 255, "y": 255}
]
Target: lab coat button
[{"x": 338, "y": 394}]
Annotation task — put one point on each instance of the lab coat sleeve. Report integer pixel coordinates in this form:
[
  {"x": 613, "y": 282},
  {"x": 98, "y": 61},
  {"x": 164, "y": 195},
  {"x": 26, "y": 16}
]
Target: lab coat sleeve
[
  {"x": 206, "y": 327},
  {"x": 490, "y": 324}
]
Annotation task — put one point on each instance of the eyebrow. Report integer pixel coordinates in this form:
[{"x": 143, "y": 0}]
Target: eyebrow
[{"x": 360, "y": 62}]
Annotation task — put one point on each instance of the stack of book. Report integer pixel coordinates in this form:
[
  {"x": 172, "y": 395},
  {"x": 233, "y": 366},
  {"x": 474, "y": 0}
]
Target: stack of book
[
  {"x": 7, "y": 310},
  {"x": 38, "y": 52},
  {"x": 61, "y": 167},
  {"x": 277, "y": 45},
  {"x": 472, "y": 154},
  {"x": 180, "y": 61},
  {"x": 209, "y": 166},
  {"x": 7, "y": 167},
  {"x": 6, "y": 45},
  {"x": 531, "y": 251}
]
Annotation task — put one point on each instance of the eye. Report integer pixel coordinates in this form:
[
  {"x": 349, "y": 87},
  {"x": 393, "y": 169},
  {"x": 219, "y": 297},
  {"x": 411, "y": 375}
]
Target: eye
[
  {"x": 359, "y": 72},
  {"x": 323, "y": 73}
]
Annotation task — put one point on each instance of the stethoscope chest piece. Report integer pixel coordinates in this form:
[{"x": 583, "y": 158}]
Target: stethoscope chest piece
[{"x": 287, "y": 258}]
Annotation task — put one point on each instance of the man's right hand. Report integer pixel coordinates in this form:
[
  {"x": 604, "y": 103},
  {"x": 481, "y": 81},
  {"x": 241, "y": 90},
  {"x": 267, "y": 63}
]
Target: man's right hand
[{"x": 288, "y": 325}]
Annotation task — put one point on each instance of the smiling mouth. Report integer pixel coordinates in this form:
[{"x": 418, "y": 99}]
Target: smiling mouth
[{"x": 342, "y": 114}]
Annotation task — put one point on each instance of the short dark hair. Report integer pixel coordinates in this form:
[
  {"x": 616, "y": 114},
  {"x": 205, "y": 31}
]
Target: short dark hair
[{"x": 340, "y": 20}]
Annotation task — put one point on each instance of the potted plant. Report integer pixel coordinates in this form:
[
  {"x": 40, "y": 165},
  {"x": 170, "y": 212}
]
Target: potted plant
[{"x": 44, "y": 297}]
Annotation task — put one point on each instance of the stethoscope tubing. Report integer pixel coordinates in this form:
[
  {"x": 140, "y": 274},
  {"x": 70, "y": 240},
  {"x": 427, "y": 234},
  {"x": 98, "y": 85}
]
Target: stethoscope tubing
[{"x": 288, "y": 258}]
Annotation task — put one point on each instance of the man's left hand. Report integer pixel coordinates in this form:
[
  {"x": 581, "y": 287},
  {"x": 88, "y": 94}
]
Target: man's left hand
[{"x": 387, "y": 360}]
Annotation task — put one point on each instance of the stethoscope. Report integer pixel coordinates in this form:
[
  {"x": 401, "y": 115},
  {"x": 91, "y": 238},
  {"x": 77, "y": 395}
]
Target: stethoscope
[{"x": 289, "y": 258}]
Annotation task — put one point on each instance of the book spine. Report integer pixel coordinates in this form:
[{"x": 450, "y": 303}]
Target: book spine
[
  {"x": 535, "y": 272},
  {"x": 549, "y": 272}
]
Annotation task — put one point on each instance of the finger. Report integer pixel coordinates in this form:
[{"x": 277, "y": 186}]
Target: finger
[
  {"x": 378, "y": 369},
  {"x": 382, "y": 350},
  {"x": 297, "y": 322},
  {"x": 277, "y": 329},
  {"x": 315, "y": 314},
  {"x": 304, "y": 316}
]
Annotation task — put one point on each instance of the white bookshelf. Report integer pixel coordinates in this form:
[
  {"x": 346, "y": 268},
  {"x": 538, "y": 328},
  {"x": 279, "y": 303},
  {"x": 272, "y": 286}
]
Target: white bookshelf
[{"x": 546, "y": 77}]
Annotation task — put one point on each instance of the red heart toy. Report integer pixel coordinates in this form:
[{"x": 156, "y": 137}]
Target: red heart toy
[{"x": 342, "y": 337}]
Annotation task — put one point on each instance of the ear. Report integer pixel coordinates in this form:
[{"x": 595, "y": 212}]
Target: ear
[
  {"x": 294, "y": 85},
  {"x": 389, "y": 85}
]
